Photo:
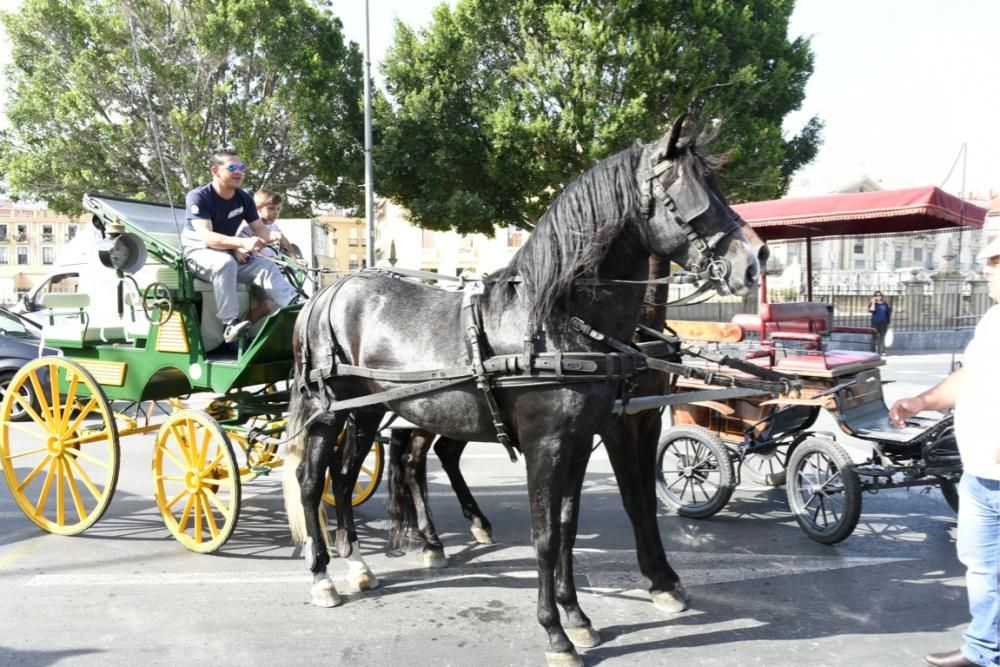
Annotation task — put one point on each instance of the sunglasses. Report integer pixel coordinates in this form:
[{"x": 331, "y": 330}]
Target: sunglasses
[{"x": 236, "y": 166}]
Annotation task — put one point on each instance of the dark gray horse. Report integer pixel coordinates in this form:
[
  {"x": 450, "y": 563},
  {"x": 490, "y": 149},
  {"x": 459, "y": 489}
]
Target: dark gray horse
[{"x": 372, "y": 333}]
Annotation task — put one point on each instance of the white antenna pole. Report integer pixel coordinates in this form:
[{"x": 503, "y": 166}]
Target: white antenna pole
[{"x": 369, "y": 179}]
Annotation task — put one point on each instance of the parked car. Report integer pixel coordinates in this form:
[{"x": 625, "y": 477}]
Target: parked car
[{"x": 20, "y": 342}]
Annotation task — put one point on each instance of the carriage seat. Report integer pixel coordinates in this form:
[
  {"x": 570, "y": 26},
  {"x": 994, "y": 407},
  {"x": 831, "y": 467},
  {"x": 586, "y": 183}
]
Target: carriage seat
[
  {"x": 829, "y": 363},
  {"x": 805, "y": 325},
  {"x": 68, "y": 322}
]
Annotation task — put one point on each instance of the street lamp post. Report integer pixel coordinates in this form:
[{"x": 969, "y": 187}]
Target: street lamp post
[{"x": 369, "y": 178}]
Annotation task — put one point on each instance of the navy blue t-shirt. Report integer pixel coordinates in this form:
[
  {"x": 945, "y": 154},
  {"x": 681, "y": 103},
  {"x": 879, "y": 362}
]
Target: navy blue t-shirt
[
  {"x": 882, "y": 313},
  {"x": 226, "y": 214}
]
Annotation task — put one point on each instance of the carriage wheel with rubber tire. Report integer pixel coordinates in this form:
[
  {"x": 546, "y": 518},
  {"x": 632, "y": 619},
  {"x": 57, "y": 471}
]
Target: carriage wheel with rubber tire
[
  {"x": 61, "y": 463},
  {"x": 18, "y": 412},
  {"x": 949, "y": 489},
  {"x": 824, "y": 492},
  {"x": 368, "y": 479},
  {"x": 196, "y": 480},
  {"x": 694, "y": 472},
  {"x": 766, "y": 467}
]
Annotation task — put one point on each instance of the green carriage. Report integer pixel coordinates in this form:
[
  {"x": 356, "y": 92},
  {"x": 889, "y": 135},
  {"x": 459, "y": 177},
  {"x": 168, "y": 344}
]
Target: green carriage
[{"x": 129, "y": 353}]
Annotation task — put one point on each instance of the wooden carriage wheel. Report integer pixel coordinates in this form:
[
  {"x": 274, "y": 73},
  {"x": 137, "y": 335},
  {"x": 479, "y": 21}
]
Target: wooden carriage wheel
[
  {"x": 368, "y": 479},
  {"x": 61, "y": 463},
  {"x": 196, "y": 480}
]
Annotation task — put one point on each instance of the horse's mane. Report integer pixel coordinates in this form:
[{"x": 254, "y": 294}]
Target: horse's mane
[{"x": 576, "y": 232}]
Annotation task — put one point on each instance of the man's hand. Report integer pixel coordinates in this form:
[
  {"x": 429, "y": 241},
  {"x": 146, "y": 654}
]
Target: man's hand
[
  {"x": 252, "y": 243},
  {"x": 240, "y": 255},
  {"x": 906, "y": 407}
]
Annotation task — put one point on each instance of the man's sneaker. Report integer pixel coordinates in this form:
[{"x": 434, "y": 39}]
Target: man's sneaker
[{"x": 234, "y": 329}]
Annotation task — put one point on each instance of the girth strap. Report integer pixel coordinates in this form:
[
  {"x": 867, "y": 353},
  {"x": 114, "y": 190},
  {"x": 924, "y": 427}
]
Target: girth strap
[{"x": 472, "y": 316}]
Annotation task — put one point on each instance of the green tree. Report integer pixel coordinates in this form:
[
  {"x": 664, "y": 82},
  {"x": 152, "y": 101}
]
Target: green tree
[
  {"x": 274, "y": 78},
  {"x": 499, "y": 103}
]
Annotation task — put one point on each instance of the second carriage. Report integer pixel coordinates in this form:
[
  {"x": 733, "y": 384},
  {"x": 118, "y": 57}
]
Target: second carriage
[{"x": 127, "y": 375}]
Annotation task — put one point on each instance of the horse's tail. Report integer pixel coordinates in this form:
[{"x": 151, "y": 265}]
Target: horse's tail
[{"x": 294, "y": 450}]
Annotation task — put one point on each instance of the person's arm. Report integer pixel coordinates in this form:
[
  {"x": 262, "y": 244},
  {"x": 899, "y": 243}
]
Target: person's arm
[
  {"x": 219, "y": 241},
  {"x": 939, "y": 397},
  {"x": 871, "y": 306}
]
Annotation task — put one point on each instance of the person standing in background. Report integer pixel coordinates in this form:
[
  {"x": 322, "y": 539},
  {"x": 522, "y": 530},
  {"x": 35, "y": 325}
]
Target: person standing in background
[{"x": 881, "y": 317}]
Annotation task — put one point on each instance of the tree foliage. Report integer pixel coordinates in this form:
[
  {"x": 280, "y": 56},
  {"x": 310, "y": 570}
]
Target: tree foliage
[
  {"x": 499, "y": 103},
  {"x": 274, "y": 78}
]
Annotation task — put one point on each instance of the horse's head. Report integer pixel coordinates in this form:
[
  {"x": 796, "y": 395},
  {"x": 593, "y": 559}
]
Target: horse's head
[{"x": 687, "y": 219}]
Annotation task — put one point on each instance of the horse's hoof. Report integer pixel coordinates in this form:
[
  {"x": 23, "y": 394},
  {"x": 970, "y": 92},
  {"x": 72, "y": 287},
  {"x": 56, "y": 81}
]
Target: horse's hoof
[
  {"x": 482, "y": 535},
  {"x": 563, "y": 659},
  {"x": 584, "y": 636},
  {"x": 435, "y": 560},
  {"x": 325, "y": 595},
  {"x": 366, "y": 581},
  {"x": 672, "y": 602}
]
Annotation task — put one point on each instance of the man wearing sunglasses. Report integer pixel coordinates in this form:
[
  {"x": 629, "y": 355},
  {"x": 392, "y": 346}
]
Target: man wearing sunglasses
[{"x": 215, "y": 253}]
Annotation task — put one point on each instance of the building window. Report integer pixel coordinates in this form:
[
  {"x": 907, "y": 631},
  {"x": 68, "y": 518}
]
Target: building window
[
  {"x": 859, "y": 264},
  {"x": 3, "y": 233},
  {"x": 4, "y": 255},
  {"x": 918, "y": 255},
  {"x": 22, "y": 233},
  {"x": 352, "y": 236},
  {"x": 353, "y": 262},
  {"x": 859, "y": 247},
  {"x": 22, "y": 254},
  {"x": 48, "y": 255},
  {"x": 47, "y": 235},
  {"x": 897, "y": 260},
  {"x": 71, "y": 231}
]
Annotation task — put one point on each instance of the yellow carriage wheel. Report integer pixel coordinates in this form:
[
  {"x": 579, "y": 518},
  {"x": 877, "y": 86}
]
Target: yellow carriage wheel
[
  {"x": 368, "y": 478},
  {"x": 196, "y": 480},
  {"x": 61, "y": 462}
]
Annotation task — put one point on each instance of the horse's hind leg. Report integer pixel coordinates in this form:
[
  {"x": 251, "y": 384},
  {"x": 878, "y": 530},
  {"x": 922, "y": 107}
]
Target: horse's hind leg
[
  {"x": 577, "y": 626},
  {"x": 415, "y": 480},
  {"x": 348, "y": 460},
  {"x": 631, "y": 448},
  {"x": 311, "y": 474},
  {"x": 449, "y": 452}
]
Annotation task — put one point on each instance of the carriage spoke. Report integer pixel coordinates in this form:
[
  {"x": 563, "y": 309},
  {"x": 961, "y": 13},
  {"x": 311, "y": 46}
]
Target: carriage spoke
[
  {"x": 60, "y": 494},
  {"x": 84, "y": 477},
  {"x": 74, "y": 491},
  {"x": 28, "y": 452},
  {"x": 182, "y": 523},
  {"x": 173, "y": 457},
  {"x": 80, "y": 454},
  {"x": 214, "y": 498},
  {"x": 43, "y": 496},
  {"x": 213, "y": 529},
  {"x": 197, "y": 518},
  {"x": 87, "y": 439},
  {"x": 84, "y": 411},
  {"x": 173, "y": 501},
  {"x": 28, "y": 410},
  {"x": 70, "y": 400},
  {"x": 34, "y": 472},
  {"x": 42, "y": 402}
]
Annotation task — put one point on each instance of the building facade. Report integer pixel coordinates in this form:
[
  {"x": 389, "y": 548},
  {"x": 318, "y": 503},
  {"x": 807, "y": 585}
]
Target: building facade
[{"x": 31, "y": 241}]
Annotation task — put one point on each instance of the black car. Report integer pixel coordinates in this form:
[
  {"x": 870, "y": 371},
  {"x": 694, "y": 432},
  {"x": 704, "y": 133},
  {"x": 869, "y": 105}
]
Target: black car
[{"x": 20, "y": 342}]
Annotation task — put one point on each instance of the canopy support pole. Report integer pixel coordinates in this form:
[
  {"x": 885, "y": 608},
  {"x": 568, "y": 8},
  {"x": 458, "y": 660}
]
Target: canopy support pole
[{"x": 809, "y": 268}]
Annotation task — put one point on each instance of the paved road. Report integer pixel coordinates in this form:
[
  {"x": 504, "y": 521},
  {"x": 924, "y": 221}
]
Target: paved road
[{"x": 763, "y": 593}]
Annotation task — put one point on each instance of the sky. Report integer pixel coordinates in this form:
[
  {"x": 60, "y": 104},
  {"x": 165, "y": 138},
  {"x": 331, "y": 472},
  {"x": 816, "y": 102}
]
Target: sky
[{"x": 901, "y": 85}]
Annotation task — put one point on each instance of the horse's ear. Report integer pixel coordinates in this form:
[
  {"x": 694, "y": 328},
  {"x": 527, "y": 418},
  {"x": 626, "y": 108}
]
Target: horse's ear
[{"x": 666, "y": 147}]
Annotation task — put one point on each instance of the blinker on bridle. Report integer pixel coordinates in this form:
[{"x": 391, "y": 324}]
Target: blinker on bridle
[{"x": 684, "y": 205}]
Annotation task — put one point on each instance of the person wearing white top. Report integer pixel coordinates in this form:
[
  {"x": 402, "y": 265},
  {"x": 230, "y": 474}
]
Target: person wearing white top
[{"x": 971, "y": 391}]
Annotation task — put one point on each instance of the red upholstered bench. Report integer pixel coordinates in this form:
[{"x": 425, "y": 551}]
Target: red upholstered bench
[
  {"x": 806, "y": 323},
  {"x": 829, "y": 363}
]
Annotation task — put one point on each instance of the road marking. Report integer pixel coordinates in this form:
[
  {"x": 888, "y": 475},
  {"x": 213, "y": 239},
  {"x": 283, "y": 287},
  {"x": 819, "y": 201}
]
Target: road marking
[{"x": 602, "y": 569}]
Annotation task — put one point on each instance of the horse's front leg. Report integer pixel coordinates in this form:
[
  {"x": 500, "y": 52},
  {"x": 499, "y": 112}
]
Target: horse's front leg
[
  {"x": 631, "y": 445},
  {"x": 547, "y": 463},
  {"x": 578, "y": 627},
  {"x": 348, "y": 460},
  {"x": 311, "y": 473},
  {"x": 449, "y": 452}
]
